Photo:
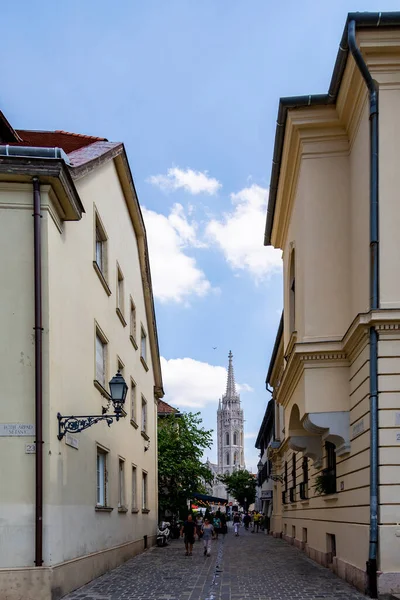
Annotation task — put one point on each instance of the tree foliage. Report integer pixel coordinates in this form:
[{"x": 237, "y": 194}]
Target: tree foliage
[
  {"x": 181, "y": 442},
  {"x": 242, "y": 485}
]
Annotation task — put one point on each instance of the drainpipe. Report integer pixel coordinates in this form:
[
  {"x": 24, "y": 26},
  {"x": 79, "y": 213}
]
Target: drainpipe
[
  {"x": 374, "y": 304},
  {"x": 37, "y": 252}
]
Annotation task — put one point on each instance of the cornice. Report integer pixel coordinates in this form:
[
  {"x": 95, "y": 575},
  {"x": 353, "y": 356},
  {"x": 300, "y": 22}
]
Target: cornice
[{"x": 337, "y": 353}]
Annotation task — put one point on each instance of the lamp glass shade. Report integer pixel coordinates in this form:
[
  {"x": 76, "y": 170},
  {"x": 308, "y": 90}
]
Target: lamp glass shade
[{"x": 118, "y": 389}]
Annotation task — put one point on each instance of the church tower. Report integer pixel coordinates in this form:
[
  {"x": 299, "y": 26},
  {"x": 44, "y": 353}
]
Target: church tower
[{"x": 230, "y": 427}]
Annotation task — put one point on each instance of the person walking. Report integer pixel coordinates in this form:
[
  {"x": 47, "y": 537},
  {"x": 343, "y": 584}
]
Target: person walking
[
  {"x": 236, "y": 523},
  {"x": 217, "y": 525},
  {"x": 246, "y": 520},
  {"x": 207, "y": 531},
  {"x": 188, "y": 531},
  {"x": 256, "y": 521}
]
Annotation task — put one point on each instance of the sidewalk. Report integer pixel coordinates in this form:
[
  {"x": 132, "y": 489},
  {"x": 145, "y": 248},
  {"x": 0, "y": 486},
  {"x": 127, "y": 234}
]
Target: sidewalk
[{"x": 248, "y": 567}]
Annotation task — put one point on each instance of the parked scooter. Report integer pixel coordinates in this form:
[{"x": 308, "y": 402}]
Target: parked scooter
[{"x": 163, "y": 533}]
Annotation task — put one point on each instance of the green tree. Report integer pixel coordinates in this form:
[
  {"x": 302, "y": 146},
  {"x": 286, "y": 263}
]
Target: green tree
[
  {"x": 181, "y": 473},
  {"x": 242, "y": 485}
]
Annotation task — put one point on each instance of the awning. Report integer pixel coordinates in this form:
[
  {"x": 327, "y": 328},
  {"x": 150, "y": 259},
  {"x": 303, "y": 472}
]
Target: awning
[{"x": 210, "y": 499}]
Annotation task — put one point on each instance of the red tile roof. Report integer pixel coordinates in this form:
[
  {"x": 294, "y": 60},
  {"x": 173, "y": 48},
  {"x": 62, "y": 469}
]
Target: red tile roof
[
  {"x": 69, "y": 142},
  {"x": 164, "y": 408}
]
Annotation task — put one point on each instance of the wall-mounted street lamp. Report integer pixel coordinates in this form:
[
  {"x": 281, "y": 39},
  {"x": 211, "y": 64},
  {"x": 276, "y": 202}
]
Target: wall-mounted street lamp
[{"x": 72, "y": 424}]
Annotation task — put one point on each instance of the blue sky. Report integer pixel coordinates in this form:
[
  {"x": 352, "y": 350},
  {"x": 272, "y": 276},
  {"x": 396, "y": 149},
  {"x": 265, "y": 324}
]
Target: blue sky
[{"x": 192, "y": 89}]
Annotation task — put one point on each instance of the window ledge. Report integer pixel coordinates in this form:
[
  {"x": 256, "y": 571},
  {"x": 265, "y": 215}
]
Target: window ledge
[
  {"x": 134, "y": 344},
  {"x": 146, "y": 368},
  {"x": 101, "y": 389},
  {"x": 145, "y": 436},
  {"x": 121, "y": 316},
  {"x": 305, "y": 502},
  {"x": 122, "y": 509},
  {"x": 145, "y": 511},
  {"x": 107, "y": 509},
  {"x": 135, "y": 511},
  {"x": 331, "y": 497},
  {"x": 134, "y": 424},
  {"x": 102, "y": 278}
]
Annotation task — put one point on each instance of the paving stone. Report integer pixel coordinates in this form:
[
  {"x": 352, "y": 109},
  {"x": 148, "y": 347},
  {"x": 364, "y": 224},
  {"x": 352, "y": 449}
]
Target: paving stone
[{"x": 248, "y": 567}]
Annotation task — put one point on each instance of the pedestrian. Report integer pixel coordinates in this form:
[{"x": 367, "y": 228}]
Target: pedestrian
[
  {"x": 246, "y": 520},
  {"x": 256, "y": 521},
  {"x": 208, "y": 532},
  {"x": 199, "y": 522},
  {"x": 224, "y": 528},
  {"x": 217, "y": 525},
  {"x": 236, "y": 523},
  {"x": 189, "y": 531}
]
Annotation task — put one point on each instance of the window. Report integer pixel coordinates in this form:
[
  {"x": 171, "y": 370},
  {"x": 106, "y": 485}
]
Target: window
[
  {"x": 294, "y": 470},
  {"x": 133, "y": 401},
  {"x": 227, "y": 458},
  {"x": 144, "y": 415},
  {"x": 227, "y": 439},
  {"x": 120, "y": 308},
  {"x": 101, "y": 499},
  {"x": 304, "y": 483},
  {"x": 329, "y": 474},
  {"x": 101, "y": 359},
  {"x": 120, "y": 366},
  {"x": 133, "y": 323},
  {"x": 235, "y": 458},
  {"x": 100, "y": 257},
  {"x": 144, "y": 491},
  {"x": 134, "y": 489},
  {"x": 292, "y": 293},
  {"x": 235, "y": 439},
  {"x": 286, "y": 476},
  {"x": 121, "y": 483},
  {"x": 143, "y": 345}
]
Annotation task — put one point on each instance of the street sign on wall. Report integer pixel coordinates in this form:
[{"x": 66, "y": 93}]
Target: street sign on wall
[{"x": 266, "y": 495}]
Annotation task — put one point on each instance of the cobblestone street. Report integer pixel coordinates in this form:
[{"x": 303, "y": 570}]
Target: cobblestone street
[{"x": 252, "y": 566}]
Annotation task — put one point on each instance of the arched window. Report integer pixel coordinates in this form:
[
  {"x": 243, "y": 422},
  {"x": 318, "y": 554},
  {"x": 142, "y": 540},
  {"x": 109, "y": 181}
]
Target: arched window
[
  {"x": 292, "y": 293},
  {"x": 227, "y": 439},
  {"x": 227, "y": 458},
  {"x": 235, "y": 436},
  {"x": 235, "y": 458}
]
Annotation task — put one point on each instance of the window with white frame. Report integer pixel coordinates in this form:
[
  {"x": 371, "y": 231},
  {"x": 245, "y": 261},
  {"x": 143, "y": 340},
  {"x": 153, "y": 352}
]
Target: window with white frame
[
  {"x": 227, "y": 458},
  {"x": 133, "y": 401},
  {"x": 134, "y": 488},
  {"x": 133, "y": 321},
  {"x": 120, "y": 291},
  {"x": 144, "y": 491},
  {"x": 143, "y": 345},
  {"x": 235, "y": 437},
  {"x": 121, "y": 483},
  {"x": 101, "y": 496},
  {"x": 100, "y": 246},
  {"x": 101, "y": 358},
  {"x": 144, "y": 415}
]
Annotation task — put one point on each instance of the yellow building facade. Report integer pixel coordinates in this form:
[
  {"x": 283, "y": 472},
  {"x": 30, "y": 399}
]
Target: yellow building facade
[
  {"x": 335, "y": 369},
  {"x": 71, "y": 317}
]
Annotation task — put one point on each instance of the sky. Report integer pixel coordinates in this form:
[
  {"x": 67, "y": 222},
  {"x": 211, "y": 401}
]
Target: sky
[{"x": 192, "y": 89}]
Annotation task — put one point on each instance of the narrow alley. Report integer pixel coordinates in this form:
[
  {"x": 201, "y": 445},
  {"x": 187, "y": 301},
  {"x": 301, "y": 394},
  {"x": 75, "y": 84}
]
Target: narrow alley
[{"x": 252, "y": 566}]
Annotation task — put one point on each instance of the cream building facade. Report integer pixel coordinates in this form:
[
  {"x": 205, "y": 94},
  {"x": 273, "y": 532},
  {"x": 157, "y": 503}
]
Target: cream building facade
[
  {"x": 335, "y": 370},
  {"x": 84, "y": 259}
]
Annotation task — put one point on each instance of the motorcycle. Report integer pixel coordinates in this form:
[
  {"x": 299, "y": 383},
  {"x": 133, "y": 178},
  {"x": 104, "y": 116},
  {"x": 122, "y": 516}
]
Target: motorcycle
[{"x": 163, "y": 533}]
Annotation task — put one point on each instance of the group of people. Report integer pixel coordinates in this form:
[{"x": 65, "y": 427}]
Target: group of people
[
  {"x": 206, "y": 529},
  {"x": 254, "y": 519}
]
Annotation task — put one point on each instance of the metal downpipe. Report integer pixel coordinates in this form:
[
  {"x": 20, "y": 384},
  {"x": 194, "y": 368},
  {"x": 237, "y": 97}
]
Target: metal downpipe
[
  {"x": 372, "y": 564},
  {"x": 37, "y": 246}
]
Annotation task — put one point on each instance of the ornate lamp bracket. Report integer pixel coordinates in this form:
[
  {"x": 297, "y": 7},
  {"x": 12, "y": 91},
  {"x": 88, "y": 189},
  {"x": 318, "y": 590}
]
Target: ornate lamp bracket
[{"x": 73, "y": 424}]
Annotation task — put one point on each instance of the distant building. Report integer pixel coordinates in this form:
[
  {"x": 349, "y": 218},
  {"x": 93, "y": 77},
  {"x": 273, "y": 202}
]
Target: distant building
[
  {"x": 230, "y": 438},
  {"x": 76, "y": 307}
]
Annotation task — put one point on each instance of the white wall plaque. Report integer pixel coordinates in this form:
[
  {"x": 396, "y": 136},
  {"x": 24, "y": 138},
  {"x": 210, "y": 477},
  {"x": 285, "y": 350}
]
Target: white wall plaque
[
  {"x": 397, "y": 419},
  {"x": 358, "y": 428},
  {"x": 30, "y": 448},
  {"x": 71, "y": 441},
  {"x": 16, "y": 429}
]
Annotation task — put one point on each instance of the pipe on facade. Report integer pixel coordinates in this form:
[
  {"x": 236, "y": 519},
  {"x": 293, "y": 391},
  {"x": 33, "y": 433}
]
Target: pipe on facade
[
  {"x": 372, "y": 564},
  {"x": 37, "y": 253}
]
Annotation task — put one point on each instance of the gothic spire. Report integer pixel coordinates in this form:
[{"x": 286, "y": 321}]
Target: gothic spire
[{"x": 230, "y": 384}]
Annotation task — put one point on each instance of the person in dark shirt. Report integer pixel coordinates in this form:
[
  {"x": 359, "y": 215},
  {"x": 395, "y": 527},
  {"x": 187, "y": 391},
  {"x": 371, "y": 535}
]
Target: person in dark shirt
[{"x": 189, "y": 531}]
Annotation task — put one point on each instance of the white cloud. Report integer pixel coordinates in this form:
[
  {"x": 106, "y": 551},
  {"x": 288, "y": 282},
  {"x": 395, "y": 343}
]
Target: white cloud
[
  {"x": 190, "y": 383},
  {"x": 244, "y": 387},
  {"x": 240, "y": 233},
  {"x": 175, "y": 275},
  {"x": 194, "y": 182},
  {"x": 251, "y": 435}
]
